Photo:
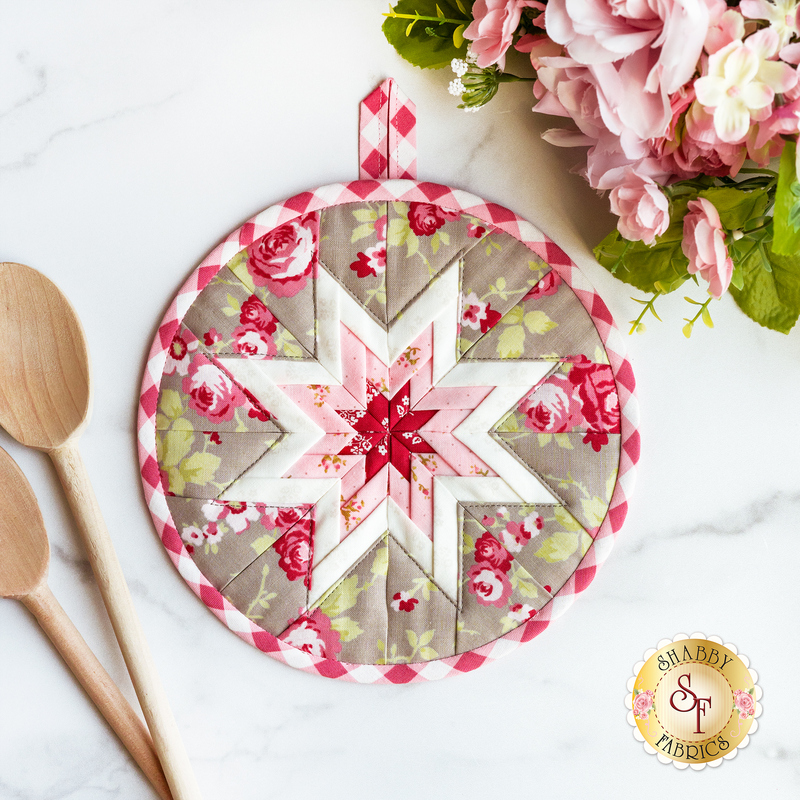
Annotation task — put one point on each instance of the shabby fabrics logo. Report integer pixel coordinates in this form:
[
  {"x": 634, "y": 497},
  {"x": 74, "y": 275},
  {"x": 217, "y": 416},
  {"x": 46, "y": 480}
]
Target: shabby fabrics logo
[{"x": 693, "y": 701}]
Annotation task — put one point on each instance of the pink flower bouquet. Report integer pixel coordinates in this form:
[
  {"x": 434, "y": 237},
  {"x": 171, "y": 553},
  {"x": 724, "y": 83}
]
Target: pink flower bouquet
[{"x": 682, "y": 106}]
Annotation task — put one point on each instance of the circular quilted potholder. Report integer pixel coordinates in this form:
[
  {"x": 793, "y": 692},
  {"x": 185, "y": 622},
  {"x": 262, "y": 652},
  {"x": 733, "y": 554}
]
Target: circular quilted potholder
[{"x": 387, "y": 431}]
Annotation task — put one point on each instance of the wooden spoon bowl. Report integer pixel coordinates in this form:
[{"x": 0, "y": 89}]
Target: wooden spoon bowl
[
  {"x": 45, "y": 402},
  {"x": 45, "y": 394},
  {"x": 23, "y": 575}
]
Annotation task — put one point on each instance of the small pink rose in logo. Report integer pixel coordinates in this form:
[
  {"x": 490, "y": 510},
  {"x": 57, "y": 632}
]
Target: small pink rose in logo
[
  {"x": 425, "y": 218},
  {"x": 312, "y": 633},
  {"x": 283, "y": 260},
  {"x": 553, "y": 407},
  {"x": 255, "y": 314},
  {"x": 489, "y": 551},
  {"x": 253, "y": 342},
  {"x": 547, "y": 286},
  {"x": 403, "y": 601},
  {"x": 642, "y": 704},
  {"x": 294, "y": 549},
  {"x": 490, "y": 586},
  {"x": 372, "y": 262},
  {"x": 744, "y": 703},
  {"x": 478, "y": 315},
  {"x": 212, "y": 394}
]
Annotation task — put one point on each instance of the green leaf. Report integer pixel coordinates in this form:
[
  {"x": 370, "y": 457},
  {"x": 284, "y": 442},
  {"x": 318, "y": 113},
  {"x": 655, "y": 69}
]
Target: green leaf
[
  {"x": 539, "y": 322},
  {"x": 171, "y": 404},
  {"x": 642, "y": 266},
  {"x": 362, "y": 231},
  {"x": 414, "y": 44},
  {"x": 511, "y": 342},
  {"x": 412, "y": 639},
  {"x": 513, "y": 317},
  {"x": 348, "y": 628},
  {"x": 380, "y": 564},
  {"x": 365, "y": 214},
  {"x": 467, "y": 544},
  {"x": 565, "y": 519},
  {"x": 771, "y": 298},
  {"x": 343, "y": 597},
  {"x": 262, "y": 544},
  {"x": 428, "y": 653},
  {"x": 563, "y": 440},
  {"x": 787, "y": 204},
  {"x": 175, "y": 444},
  {"x": 458, "y": 36},
  {"x": 199, "y": 468},
  {"x": 426, "y": 638},
  {"x": 594, "y": 509},
  {"x": 736, "y": 207},
  {"x": 234, "y": 303},
  {"x": 558, "y": 547}
]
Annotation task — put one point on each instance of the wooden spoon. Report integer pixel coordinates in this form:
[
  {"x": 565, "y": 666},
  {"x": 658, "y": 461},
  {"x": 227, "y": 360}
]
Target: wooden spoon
[
  {"x": 45, "y": 402},
  {"x": 23, "y": 575}
]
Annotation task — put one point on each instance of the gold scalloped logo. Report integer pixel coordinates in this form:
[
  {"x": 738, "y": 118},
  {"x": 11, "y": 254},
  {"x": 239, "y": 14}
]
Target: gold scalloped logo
[{"x": 693, "y": 701}]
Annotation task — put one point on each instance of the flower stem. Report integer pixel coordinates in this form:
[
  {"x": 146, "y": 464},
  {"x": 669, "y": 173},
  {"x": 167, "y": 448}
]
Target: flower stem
[
  {"x": 418, "y": 17},
  {"x": 702, "y": 312},
  {"x": 637, "y": 325}
]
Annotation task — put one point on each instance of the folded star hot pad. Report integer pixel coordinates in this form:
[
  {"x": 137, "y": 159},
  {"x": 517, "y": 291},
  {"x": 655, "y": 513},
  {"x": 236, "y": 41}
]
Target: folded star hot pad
[{"x": 387, "y": 430}]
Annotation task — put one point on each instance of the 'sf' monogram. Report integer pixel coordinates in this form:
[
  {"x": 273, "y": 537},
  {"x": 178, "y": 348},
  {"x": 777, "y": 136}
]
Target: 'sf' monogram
[{"x": 697, "y": 702}]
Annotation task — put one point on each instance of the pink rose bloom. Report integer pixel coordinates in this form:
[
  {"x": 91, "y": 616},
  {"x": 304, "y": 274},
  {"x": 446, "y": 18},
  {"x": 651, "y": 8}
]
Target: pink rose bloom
[
  {"x": 699, "y": 150},
  {"x": 489, "y": 551},
  {"x": 212, "y": 394},
  {"x": 552, "y": 408},
  {"x": 642, "y": 208},
  {"x": 179, "y": 355},
  {"x": 521, "y": 612},
  {"x": 745, "y": 703},
  {"x": 478, "y": 315},
  {"x": 425, "y": 219},
  {"x": 254, "y": 312},
  {"x": 283, "y": 260},
  {"x": 606, "y": 101},
  {"x": 704, "y": 245},
  {"x": 253, "y": 342},
  {"x": 669, "y": 32},
  {"x": 372, "y": 262},
  {"x": 546, "y": 287},
  {"x": 492, "y": 29},
  {"x": 313, "y": 634},
  {"x": 490, "y": 586},
  {"x": 285, "y": 518},
  {"x": 642, "y": 704},
  {"x": 597, "y": 391},
  {"x": 294, "y": 549},
  {"x": 403, "y": 601}
]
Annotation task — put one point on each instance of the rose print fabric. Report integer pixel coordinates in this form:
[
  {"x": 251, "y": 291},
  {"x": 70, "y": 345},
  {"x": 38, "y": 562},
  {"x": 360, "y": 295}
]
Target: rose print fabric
[{"x": 387, "y": 432}]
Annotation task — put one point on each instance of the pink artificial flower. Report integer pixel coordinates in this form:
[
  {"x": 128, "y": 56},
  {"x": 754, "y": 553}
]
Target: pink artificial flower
[
  {"x": 727, "y": 25},
  {"x": 492, "y": 29},
  {"x": 704, "y": 245},
  {"x": 642, "y": 208},
  {"x": 538, "y": 46},
  {"x": 605, "y": 100},
  {"x": 669, "y": 33}
]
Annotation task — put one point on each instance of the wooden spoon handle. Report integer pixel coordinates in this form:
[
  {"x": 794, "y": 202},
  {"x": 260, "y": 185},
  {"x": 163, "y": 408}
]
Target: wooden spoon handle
[
  {"x": 97, "y": 683},
  {"x": 108, "y": 573}
]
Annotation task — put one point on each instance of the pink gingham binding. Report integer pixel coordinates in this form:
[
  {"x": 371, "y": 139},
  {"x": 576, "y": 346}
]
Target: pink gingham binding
[
  {"x": 387, "y": 141},
  {"x": 410, "y": 191}
]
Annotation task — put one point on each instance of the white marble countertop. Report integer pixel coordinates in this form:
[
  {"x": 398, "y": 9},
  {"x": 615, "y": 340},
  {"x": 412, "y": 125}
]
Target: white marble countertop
[{"x": 133, "y": 136}]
